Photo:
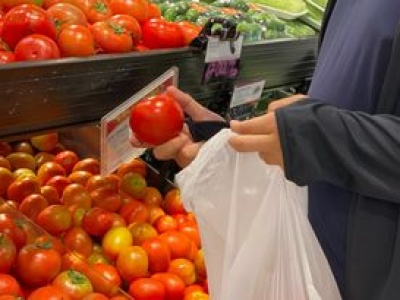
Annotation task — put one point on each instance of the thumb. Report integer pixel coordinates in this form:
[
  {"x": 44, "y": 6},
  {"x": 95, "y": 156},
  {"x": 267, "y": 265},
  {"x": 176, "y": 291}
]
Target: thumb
[{"x": 169, "y": 149}]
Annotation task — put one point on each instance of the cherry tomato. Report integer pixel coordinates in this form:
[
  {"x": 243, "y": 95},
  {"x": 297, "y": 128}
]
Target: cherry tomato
[
  {"x": 8, "y": 253},
  {"x": 97, "y": 221},
  {"x": 38, "y": 264},
  {"x": 66, "y": 14},
  {"x": 159, "y": 33},
  {"x": 49, "y": 292},
  {"x": 24, "y": 20},
  {"x": 36, "y": 47},
  {"x": 111, "y": 37},
  {"x": 135, "y": 8},
  {"x": 158, "y": 253},
  {"x": 130, "y": 24},
  {"x": 6, "y": 57},
  {"x": 157, "y": 119},
  {"x": 105, "y": 278},
  {"x": 9, "y": 285},
  {"x": 76, "y": 239},
  {"x": 55, "y": 219},
  {"x": 11, "y": 228},
  {"x": 67, "y": 159},
  {"x": 174, "y": 285},
  {"x": 73, "y": 283},
  {"x": 76, "y": 40},
  {"x": 147, "y": 289}
]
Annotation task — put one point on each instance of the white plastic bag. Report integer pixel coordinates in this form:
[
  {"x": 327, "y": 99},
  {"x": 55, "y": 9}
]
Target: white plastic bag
[{"x": 257, "y": 240}]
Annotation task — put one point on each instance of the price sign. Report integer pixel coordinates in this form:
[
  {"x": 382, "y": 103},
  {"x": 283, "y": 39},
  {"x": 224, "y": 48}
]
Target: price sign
[
  {"x": 115, "y": 131},
  {"x": 222, "y": 59}
]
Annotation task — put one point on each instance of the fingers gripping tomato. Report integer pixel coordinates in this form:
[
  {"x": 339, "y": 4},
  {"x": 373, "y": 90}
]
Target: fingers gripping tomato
[{"x": 157, "y": 119}]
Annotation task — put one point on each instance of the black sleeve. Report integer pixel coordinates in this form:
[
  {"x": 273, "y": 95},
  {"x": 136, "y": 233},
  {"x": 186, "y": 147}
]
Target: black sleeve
[{"x": 353, "y": 150}]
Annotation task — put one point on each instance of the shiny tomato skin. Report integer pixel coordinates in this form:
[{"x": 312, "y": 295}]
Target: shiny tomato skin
[
  {"x": 77, "y": 239},
  {"x": 174, "y": 285},
  {"x": 105, "y": 278},
  {"x": 37, "y": 264},
  {"x": 25, "y": 20},
  {"x": 48, "y": 292},
  {"x": 189, "y": 30},
  {"x": 156, "y": 120},
  {"x": 76, "y": 40},
  {"x": 159, "y": 34},
  {"x": 9, "y": 285},
  {"x": 147, "y": 289},
  {"x": 55, "y": 219},
  {"x": 36, "y": 47},
  {"x": 130, "y": 24},
  {"x": 111, "y": 38},
  {"x": 66, "y": 14},
  {"x": 73, "y": 283},
  {"x": 99, "y": 11},
  {"x": 6, "y": 57},
  {"x": 97, "y": 221},
  {"x": 9, "y": 227},
  {"x": 135, "y": 8}
]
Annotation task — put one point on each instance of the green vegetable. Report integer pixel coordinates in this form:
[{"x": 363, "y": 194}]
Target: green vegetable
[
  {"x": 290, "y": 6},
  {"x": 299, "y": 29}
]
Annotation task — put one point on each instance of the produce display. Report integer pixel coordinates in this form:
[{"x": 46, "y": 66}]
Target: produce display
[{"x": 69, "y": 233}]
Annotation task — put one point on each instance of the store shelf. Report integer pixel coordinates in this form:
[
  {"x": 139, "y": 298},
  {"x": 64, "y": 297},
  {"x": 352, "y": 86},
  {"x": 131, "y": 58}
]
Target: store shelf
[{"x": 47, "y": 95}]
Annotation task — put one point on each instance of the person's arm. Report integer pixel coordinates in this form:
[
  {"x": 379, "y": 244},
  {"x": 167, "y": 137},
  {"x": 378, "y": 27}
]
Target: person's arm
[{"x": 354, "y": 150}]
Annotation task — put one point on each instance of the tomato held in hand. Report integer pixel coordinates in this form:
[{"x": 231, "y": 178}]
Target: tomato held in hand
[
  {"x": 36, "y": 47},
  {"x": 157, "y": 119},
  {"x": 159, "y": 33},
  {"x": 25, "y": 20}
]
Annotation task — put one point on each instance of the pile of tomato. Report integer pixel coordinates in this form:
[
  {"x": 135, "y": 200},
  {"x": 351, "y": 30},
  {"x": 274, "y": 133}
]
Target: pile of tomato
[
  {"x": 67, "y": 232},
  {"x": 50, "y": 29}
]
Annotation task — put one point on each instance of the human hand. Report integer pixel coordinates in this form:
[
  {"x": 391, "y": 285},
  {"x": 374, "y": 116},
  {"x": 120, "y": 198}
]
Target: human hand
[
  {"x": 260, "y": 135},
  {"x": 274, "y": 105},
  {"x": 181, "y": 148}
]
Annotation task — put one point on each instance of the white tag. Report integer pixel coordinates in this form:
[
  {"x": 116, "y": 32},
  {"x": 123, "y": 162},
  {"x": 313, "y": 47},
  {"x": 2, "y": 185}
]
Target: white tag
[
  {"x": 222, "y": 50},
  {"x": 247, "y": 93},
  {"x": 115, "y": 130}
]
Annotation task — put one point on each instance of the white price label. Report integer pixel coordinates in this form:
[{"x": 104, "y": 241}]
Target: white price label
[
  {"x": 223, "y": 50},
  {"x": 115, "y": 130},
  {"x": 247, "y": 93}
]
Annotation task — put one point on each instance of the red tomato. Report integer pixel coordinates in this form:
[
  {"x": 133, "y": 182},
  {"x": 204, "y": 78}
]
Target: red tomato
[
  {"x": 38, "y": 264},
  {"x": 36, "y": 47},
  {"x": 159, "y": 33},
  {"x": 8, "y": 253},
  {"x": 76, "y": 239},
  {"x": 158, "y": 253},
  {"x": 66, "y": 14},
  {"x": 76, "y": 194},
  {"x": 32, "y": 205},
  {"x": 97, "y": 221},
  {"x": 25, "y": 20},
  {"x": 12, "y": 3},
  {"x": 59, "y": 182},
  {"x": 105, "y": 279},
  {"x": 67, "y": 159},
  {"x": 83, "y": 5},
  {"x": 154, "y": 10},
  {"x": 174, "y": 285},
  {"x": 135, "y": 8},
  {"x": 107, "y": 198},
  {"x": 157, "y": 119},
  {"x": 132, "y": 263},
  {"x": 76, "y": 40},
  {"x": 49, "y": 292},
  {"x": 9, "y": 227},
  {"x": 178, "y": 243},
  {"x": 73, "y": 283},
  {"x": 130, "y": 24},
  {"x": 99, "y": 11},
  {"x": 111, "y": 38},
  {"x": 55, "y": 219},
  {"x": 6, "y": 57},
  {"x": 9, "y": 285},
  {"x": 189, "y": 30},
  {"x": 91, "y": 165},
  {"x": 147, "y": 289}
]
